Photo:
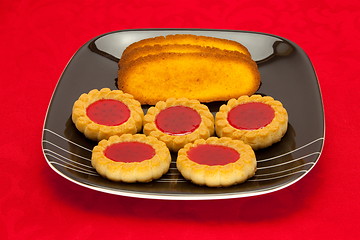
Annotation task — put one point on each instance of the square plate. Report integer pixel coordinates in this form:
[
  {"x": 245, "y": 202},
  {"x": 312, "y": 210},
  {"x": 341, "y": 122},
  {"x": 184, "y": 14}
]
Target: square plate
[{"x": 286, "y": 74}]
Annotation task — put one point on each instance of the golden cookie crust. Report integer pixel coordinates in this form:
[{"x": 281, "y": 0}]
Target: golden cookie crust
[
  {"x": 144, "y": 171},
  {"x": 175, "y": 142},
  {"x": 97, "y": 132},
  {"x": 258, "y": 138},
  {"x": 218, "y": 175}
]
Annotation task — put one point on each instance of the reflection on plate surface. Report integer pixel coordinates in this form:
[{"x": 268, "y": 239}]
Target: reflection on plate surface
[{"x": 286, "y": 74}]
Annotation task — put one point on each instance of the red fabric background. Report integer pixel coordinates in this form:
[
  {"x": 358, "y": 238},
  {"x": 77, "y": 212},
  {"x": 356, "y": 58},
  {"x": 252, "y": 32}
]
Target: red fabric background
[{"x": 39, "y": 37}]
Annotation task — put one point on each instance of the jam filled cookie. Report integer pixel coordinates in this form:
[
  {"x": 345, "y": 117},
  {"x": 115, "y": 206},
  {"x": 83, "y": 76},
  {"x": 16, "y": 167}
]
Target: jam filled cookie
[
  {"x": 177, "y": 122},
  {"x": 131, "y": 158},
  {"x": 216, "y": 162},
  {"x": 256, "y": 120},
  {"x": 101, "y": 114}
]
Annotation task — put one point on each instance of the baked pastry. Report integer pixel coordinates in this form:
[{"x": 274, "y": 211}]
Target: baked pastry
[
  {"x": 177, "y": 122},
  {"x": 191, "y": 39},
  {"x": 206, "y": 77},
  {"x": 216, "y": 162},
  {"x": 256, "y": 120},
  {"x": 138, "y": 52},
  {"x": 131, "y": 158},
  {"x": 100, "y": 114}
]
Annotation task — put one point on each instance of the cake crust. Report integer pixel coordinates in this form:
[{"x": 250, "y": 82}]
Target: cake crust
[
  {"x": 206, "y": 77},
  {"x": 146, "y": 50},
  {"x": 203, "y": 41}
]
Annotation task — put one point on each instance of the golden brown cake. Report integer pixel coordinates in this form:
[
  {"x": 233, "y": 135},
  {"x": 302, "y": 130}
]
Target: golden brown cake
[
  {"x": 131, "y": 158},
  {"x": 256, "y": 120},
  {"x": 100, "y": 114},
  {"x": 203, "y": 76},
  {"x": 177, "y": 122},
  {"x": 203, "y": 41},
  {"x": 216, "y": 162},
  {"x": 171, "y": 48}
]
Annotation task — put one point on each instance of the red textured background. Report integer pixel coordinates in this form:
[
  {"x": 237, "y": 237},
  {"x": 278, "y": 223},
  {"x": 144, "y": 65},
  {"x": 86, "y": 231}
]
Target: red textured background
[{"x": 39, "y": 37}]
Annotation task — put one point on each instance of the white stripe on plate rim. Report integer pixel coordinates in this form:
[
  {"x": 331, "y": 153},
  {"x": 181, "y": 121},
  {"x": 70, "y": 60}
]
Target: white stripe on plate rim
[
  {"x": 292, "y": 151},
  {"x": 282, "y": 176},
  {"x": 287, "y": 162},
  {"x": 79, "y": 156},
  {"x": 74, "y": 168},
  {"x": 70, "y": 160},
  {"x": 76, "y": 144}
]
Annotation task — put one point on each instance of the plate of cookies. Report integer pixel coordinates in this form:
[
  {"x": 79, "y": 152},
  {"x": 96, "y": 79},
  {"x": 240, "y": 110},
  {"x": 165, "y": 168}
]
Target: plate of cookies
[{"x": 185, "y": 114}]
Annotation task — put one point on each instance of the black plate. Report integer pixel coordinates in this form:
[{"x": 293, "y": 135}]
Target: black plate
[{"x": 286, "y": 73}]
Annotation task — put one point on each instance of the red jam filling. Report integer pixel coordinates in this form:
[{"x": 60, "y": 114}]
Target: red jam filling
[
  {"x": 129, "y": 152},
  {"x": 178, "y": 120},
  {"x": 251, "y": 116},
  {"x": 108, "y": 112},
  {"x": 211, "y": 155}
]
